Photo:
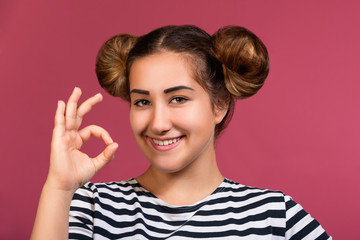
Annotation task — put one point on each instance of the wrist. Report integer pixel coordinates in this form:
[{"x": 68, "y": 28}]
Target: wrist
[{"x": 55, "y": 186}]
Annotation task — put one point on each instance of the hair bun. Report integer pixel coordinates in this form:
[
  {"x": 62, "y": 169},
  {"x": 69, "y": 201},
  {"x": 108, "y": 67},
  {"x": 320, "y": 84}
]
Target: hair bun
[
  {"x": 245, "y": 60},
  {"x": 111, "y": 63}
]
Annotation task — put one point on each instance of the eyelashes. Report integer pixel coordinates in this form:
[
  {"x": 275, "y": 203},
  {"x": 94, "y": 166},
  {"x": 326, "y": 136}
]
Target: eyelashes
[
  {"x": 141, "y": 103},
  {"x": 173, "y": 100},
  {"x": 178, "y": 100}
]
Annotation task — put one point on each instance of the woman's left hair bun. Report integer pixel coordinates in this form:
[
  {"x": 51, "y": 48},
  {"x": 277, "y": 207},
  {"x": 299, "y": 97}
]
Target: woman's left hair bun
[
  {"x": 111, "y": 64},
  {"x": 245, "y": 60}
]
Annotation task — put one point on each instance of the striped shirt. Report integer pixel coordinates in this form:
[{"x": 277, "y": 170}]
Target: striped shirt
[{"x": 125, "y": 210}]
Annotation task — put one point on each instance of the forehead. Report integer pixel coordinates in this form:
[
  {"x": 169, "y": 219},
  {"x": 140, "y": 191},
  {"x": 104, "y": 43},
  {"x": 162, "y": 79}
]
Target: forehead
[{"x": 160, "y": 71}]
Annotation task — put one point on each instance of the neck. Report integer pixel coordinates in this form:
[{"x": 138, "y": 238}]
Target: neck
[{"x": 185, "y": 187}]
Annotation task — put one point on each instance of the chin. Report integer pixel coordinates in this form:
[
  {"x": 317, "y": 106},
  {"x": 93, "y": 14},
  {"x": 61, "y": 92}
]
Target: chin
[{"x": 169, "y": 167}]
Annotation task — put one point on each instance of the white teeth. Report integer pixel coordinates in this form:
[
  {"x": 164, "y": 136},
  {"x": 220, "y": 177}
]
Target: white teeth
[{"x": 165, "y": 142}]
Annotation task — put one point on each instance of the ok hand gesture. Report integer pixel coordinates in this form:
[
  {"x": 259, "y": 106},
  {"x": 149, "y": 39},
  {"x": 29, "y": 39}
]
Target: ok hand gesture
[{"x": 69, "y": 167}]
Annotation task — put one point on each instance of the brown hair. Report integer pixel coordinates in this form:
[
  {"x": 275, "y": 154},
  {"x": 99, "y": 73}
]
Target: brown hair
[{"x": 232, "y": 63}]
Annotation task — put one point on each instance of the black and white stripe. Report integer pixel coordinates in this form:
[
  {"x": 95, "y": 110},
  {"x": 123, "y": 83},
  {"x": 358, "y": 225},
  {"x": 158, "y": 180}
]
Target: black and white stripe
[{"x": 125, "y": 210}]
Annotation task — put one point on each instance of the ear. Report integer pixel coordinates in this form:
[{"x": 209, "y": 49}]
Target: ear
[{"x": 220, "y": 112}]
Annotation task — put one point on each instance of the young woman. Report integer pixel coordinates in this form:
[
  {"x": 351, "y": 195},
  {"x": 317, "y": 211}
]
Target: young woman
[{"x": 181, "y": 84}]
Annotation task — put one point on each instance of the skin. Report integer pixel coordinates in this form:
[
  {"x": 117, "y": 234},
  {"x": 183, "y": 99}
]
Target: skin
[
  {"x": 69, "y": 167},
  {"x": 179, "y": 174},
  {"x": 168, "y": 103}
]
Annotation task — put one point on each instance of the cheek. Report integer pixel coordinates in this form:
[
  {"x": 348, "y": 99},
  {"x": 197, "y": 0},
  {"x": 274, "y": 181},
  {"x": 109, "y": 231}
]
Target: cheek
[
  {"x": 137, "y": 121},
  {"x": 199, "y": 119}
]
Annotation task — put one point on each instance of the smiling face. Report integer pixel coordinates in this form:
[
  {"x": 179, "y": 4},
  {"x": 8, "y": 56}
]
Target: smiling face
[{"x": 171, "y": 115}]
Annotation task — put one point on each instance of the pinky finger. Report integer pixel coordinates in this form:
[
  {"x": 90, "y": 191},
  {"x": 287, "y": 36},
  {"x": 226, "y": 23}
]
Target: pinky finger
[{"x": 60, "y": 117}]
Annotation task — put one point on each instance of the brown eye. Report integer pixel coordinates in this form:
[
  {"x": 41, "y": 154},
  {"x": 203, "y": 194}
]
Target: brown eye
[
  {"x": 141, "y": 103},
  {"x": 178, "y": 100}
]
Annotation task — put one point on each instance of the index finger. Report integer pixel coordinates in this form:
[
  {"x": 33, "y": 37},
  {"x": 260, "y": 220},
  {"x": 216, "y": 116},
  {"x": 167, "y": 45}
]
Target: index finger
[{"x": 92, "y": 130}]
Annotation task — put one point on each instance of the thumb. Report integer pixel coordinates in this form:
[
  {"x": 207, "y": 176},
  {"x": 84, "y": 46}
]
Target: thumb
[{"x": 105, "y": 157}]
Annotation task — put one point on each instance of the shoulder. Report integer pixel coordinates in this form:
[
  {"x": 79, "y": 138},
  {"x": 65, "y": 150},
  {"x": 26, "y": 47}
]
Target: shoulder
[
  {"x": 111, "y": 190},
  {"x": 255, "y": 194},
  {"x": 249, "y": 202},
  {"x": 248, "y": 192},
  {"x": 106, "y": 195}
]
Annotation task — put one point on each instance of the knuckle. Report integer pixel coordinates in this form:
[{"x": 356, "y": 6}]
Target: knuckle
[{"x": 93, "y": 127}]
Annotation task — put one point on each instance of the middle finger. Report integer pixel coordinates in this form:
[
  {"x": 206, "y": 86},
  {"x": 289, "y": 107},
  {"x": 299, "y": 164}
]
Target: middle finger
[{"x": 86, "y": 106}]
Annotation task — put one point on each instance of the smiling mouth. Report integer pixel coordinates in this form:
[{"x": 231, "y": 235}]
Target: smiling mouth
[{"x": 166, "y": 142}]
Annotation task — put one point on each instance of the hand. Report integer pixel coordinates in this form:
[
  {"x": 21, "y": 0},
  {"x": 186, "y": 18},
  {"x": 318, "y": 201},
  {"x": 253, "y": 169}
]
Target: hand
[{"x": 69, "y": 167}]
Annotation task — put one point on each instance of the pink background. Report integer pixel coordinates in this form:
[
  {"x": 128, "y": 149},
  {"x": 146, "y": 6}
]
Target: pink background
[{"x": 299, "y": 134}]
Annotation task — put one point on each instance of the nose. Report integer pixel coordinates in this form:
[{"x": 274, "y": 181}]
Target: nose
[{"x": 160, "y": 121}]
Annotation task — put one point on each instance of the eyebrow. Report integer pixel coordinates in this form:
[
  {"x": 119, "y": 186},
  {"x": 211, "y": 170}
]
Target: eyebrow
[
  {"x": 168, "y": 90},
  {"x": 140, "y": 91},
  {"x": 177, "y": 88}
]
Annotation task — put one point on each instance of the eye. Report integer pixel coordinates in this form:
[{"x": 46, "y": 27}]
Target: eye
[
  {"x": 178, "y": 100},
  {"x": 141, "y": 103}
]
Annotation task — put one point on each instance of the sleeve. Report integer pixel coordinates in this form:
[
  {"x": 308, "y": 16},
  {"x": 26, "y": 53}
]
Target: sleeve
[
  {"x": 81, "y": 216},
  {"x": 300, "y": 225}
]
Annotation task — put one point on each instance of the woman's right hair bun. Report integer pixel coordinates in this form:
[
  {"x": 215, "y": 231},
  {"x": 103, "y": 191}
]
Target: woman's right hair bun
[
  {"x": 111, "y": 64},
  {"x": 245, "y": 60}
]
